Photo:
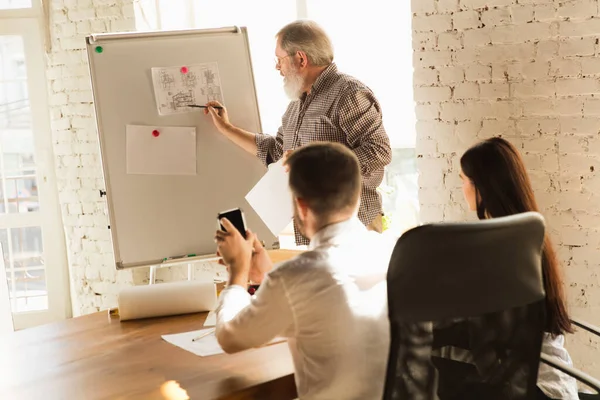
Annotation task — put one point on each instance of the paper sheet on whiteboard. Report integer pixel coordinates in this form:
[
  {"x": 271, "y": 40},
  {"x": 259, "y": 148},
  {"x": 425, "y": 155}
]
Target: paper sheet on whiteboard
[
  {"x": 172, "y": 152},
  {"x": 175, "y": 88},
  {"x": 271, "y": 198}
]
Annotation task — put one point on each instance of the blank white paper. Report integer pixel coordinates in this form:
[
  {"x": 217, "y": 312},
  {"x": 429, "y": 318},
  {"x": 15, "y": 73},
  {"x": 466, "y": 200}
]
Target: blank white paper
[
  {"x": 271, "y": 198},
  {"x": 206, "y": 346},
  {"x": 172, "y": 152}
]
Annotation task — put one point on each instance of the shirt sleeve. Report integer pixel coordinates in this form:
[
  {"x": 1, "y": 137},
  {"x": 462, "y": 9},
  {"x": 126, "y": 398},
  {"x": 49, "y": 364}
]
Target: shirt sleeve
[
  {"x": 361, "y": 120},
  {"x": 244, "y": 322},
  {"x": 269, "y": 148}
]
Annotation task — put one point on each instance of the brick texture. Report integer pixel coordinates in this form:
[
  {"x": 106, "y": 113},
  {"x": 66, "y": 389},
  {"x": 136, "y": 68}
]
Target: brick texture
[
  {"x": 528, "y": 71},
  {"x": 94, "y": 280}
]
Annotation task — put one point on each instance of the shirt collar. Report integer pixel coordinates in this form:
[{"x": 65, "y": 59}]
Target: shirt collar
[
  {"x": 330, "y": 233},
  {"x": 322, "y": 79}
]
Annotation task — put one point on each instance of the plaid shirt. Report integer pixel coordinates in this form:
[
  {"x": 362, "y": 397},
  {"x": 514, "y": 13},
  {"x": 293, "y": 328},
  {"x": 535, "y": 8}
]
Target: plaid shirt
[{"x": 338, "y": 109}]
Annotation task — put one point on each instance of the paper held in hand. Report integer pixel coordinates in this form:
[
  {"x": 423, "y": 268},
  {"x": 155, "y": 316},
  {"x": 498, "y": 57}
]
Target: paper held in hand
[{"x": 271, "y": 198}]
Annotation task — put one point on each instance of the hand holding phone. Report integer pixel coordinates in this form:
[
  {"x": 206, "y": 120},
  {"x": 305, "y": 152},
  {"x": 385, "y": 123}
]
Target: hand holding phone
[
  {"x": 235, "y": 250},
  {"x": 236, "y": 217}
]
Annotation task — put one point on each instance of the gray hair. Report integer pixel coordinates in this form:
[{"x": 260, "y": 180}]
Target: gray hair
[{"x": 308, "y": 37}]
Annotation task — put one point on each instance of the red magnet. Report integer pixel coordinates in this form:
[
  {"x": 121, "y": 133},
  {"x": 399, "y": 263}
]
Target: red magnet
[
  {"x": 155, "y": 133},
  {"x": 184, "y": 70}
]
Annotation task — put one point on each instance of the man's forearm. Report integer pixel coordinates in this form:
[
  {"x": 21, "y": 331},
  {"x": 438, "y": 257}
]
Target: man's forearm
[
  {"x": 246, "y": 140},
  {"x": 244, "y": 323}
]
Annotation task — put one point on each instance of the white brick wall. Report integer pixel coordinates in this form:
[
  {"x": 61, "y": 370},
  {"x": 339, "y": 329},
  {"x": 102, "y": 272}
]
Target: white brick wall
[
  {"x": 529, "y": 71},
  {"x": 94, "y": 279}
]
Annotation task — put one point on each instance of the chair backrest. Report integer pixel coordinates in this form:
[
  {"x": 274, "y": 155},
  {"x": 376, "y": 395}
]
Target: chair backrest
[{"x": 466, "y": 308}]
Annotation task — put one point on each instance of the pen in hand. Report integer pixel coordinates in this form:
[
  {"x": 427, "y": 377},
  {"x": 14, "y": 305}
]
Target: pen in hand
[
  {"x": 198, "y": 106},
  {"x": 203, "y": 335}
]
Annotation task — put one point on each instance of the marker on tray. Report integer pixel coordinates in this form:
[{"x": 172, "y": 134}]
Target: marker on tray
[{"x": 178, "y": 257}]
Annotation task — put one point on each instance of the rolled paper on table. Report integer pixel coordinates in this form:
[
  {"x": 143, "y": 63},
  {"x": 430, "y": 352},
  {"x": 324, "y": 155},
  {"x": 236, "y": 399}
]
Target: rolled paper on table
[{"x": 164, "y": 299}]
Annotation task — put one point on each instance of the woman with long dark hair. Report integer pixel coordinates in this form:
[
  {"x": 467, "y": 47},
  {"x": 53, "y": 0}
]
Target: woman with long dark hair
[{"x": 496, "y": 184}]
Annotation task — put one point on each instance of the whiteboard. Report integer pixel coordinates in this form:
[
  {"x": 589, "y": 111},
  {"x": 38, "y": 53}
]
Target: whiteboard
[{"x": 153, "y": 217}]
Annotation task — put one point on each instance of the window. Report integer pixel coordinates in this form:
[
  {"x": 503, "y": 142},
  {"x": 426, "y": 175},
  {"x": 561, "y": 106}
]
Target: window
[
  {"x": 361, "y": 37},
  {"x": 14, "y": 4},
  {"x": 372, "y": 43},
  {"x": 32, "y": 248}
]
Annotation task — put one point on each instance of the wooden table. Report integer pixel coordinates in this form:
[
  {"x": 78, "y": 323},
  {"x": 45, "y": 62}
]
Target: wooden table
[
  {"x": 282, "y": 255},
  {"x": 97, "y": 357}
]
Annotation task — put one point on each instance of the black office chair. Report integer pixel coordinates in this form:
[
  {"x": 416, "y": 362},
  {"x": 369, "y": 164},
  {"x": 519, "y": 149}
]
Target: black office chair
[{"x": 466, "y": 308}]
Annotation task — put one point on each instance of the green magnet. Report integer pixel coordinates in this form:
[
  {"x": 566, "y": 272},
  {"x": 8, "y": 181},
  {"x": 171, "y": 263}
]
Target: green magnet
[{"x": 99, "y": 49}]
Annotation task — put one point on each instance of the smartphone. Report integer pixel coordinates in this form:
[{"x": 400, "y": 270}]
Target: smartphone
[{"x": 236, "y": 217}]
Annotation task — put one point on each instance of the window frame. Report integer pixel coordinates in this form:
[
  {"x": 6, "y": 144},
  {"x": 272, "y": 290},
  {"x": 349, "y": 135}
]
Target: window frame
[{"x": 29, "y": 23}]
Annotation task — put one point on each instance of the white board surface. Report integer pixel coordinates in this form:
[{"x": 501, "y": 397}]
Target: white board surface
[
  {"x": 161, "y": 150},
  {"x": 154, "y": 215}
]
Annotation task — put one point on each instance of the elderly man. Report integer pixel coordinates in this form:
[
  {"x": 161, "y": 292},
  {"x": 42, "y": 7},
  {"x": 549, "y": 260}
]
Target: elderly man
[{"x": 326, "y": 105}]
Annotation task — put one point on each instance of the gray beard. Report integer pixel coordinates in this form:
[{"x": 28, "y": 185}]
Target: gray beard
[{"x": 292, "y": 85}]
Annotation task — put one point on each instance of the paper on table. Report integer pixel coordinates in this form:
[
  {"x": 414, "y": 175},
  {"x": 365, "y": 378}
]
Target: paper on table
[
  {"x": 206, "y": 346},
  {"x": 211, "y": 319},
  {"x": 271, "y": 198},
  {"x": 161, "y": 150},
  {"x": 175, "y": 88}
]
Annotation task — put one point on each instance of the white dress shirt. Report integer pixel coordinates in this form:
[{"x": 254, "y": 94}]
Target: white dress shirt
[
  {"x": 331, "y": 304},
  {"x": 556, "y": 384}
]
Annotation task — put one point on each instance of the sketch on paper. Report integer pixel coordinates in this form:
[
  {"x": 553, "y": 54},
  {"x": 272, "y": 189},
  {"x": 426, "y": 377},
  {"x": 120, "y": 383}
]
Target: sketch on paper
[
  {"x": 174, "y": 90},
  {"x": 167, "y": 81}
]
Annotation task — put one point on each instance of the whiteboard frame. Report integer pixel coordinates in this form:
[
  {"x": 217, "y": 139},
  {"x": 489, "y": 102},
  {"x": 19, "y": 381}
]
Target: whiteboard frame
[{"x": 97, "y": 39}]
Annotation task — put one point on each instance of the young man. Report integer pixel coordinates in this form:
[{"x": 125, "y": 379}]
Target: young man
[
  {"x": 333, "y": 313},
  {"x": 326, "y": 105}
]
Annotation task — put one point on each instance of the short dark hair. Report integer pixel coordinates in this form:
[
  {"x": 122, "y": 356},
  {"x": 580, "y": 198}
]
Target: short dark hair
[{"x": 326, "y": 175}]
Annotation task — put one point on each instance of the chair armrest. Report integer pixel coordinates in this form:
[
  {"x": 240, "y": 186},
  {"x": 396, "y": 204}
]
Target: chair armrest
[
  {"x": 575, "y": 373},
  {"x": 587, "y": 326}
]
